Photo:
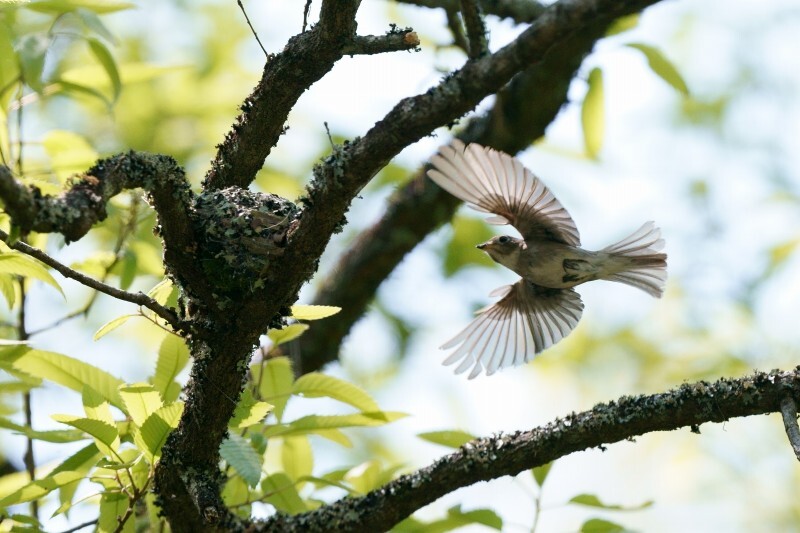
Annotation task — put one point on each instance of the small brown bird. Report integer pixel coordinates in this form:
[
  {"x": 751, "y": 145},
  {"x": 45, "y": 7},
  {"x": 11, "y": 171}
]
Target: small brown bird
[{"x": 542, "y": 308}]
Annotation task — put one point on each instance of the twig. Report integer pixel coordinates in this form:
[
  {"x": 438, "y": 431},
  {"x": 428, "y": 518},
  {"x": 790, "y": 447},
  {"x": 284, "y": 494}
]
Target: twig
[
  {"x": 251, "y": 27},
  {"x": 456, "y": 29},
  {"x": 29, "y": 459},
  {"x": 378, "y": 44},
  {"x": 789, "y": 413},
  {"x": 80, "y": 526},
  {"x": 306, "y": 9},
  {"x": 137, "y": 298},
  {"x": 476, "y": 28},
  {"x": 520, "y": 11}
]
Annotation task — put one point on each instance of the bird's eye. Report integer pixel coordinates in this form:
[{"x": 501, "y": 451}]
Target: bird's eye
[{"x": 504, "y": 239}]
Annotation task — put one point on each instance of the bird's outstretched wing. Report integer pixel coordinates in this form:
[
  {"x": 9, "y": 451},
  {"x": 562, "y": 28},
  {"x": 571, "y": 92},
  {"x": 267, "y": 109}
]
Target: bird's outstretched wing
[
  {"x": 494, "y": 182},
  {"x": 527, "y": 320}
]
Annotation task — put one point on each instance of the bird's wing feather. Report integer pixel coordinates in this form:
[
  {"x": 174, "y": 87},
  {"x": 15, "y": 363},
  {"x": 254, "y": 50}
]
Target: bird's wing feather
[
  {"x": 494, "y": 182},
  {"x": 527, "y": 320}
]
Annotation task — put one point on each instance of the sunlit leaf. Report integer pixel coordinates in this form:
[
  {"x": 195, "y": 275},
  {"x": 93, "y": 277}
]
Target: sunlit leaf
[
  {"x": 9, "y": 68},
  {"x": 249, "y": 411},
  {"x": 280, "y": 491},
  {"x": 81, "y": 461},
  {"x": 106, "y": 436},
  {"x": 313, "y": 312},
  {"x": 591, "y": 500},
  {"x": 162, "y": 291},
  {"x": 69, "y": 372},
  {"x": 22, "y": 265},
  {"x": 449, "y": 438},
  {"x": 313, "y": 423},
  {"x": 39, "y": 488},
  {"x": 173, "y": 356},
  {"x": 154, "y": 431},
  {"x": 598, "y": 525},
  {"x": 64, "y": 6},
  {"x": 111, "y": 325},
  {"x": 288, "y": 333},
  {"x": 593, "y": 114},
  {"x": 112, "y": 508},
  {"x": 274, "y": 379},
  {"x": 69, "y": 153},
  {"x": 662, "y": 67},
  {"x": 141, "y": 400},
  {"x": 104, "y": 57},
  {"x": 315, "y": 385},
  {"x": 540, "y": 473},
  {"x": 58, "y": 436},
  {"x": 623, "y": 24},
  {"x": 297, "y": 457},
  {"x": 96, "y": 406},
  {"x": 241, "y": 456}
]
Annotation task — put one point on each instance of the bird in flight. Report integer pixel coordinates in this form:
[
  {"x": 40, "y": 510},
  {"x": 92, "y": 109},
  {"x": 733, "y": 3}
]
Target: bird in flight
[{"x": 541, "y": 308}]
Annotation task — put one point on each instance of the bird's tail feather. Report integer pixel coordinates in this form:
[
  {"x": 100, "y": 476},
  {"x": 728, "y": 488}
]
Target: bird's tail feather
[{"x": 637, "y": 260}]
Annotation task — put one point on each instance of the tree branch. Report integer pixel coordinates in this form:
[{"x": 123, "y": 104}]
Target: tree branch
[
  {"x": 394, "y": 41},
  {"x": 518, "y": 10},
  {"x": 137, "y": 298},
  {"x": 509, "y": 454},
  {"x": 789, "y": 413},
  {"x": 476, "y": 29},
  {"x": 521, "y": 112}
]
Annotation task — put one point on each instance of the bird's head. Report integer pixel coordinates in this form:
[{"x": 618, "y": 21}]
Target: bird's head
[{"x": 503, "y": 249}]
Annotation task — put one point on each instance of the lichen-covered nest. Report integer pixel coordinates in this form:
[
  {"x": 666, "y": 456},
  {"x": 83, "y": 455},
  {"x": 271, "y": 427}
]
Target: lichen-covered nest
[{"x": 240, "y": 232}]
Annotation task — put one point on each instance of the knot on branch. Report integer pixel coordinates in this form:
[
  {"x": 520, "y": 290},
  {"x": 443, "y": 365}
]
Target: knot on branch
[{"x": 240, "y": 233}]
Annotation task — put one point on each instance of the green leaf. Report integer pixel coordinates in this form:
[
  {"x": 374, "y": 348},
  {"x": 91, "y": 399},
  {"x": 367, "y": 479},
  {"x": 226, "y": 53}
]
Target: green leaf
[
  {"x": 31, "y": 52},
  {"x": 111, "y": 325},
  {"x": 241, "y": 456},
  {"x": 141, "y": 400},
  {"x": 65, "y": 6},
  {"x": 162, "y": 291},
  {"x": 69, "y": 153},
  {"x": 314, "y": 312},
  {"x": 456, "y": 518},
  {"x": 81, "y": 461},
  {"x": 334, "y": 435},
  {"x": 591, "y": 500},
  {"x": 69, "y": 87},
  {"x": 449, "y": 438},
  {"x": 128, "y": 269},
  {"x": 540, "y": 473},
  {"x": 597, "y": 525},
  {"x": 39, "y": 488},
  {"x": 58, "y": 436},
  {"x": 69, "y": 372},
  {"x": 153, "y": 433},
  {"x": 297, "y": 457},
  {"x": 662, "y": 67},
  {"x": 249, "y": 411},
  {"x": 22, "y": 265},
  {"x": 313, "y": 423},
  {"x": 288, "y": 333},
  {"x": 274, "y": 379},
  {"x": 593, "y": 114},
  {"x": 460, "y": 251},
  {"x": 104, "y": 57},
  {"x": 316, "y": 385},
  {"x": 112, "y": 507},
  {"x": 623, "y": 24},
  {"x": 94, "y": 24},
  {"x": 9, "y": 68},
  {"x": 364, "y": 477},
  {"x": 96, "y": 406},
  {"x": 9, "y": 289},
  {"x": 173, "y": 356},
  {"x": 106, "y": 436},
  {"x": 279, "y": 491}
]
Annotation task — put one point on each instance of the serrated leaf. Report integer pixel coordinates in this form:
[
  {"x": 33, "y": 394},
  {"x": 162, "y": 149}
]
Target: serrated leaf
[
  {"x": 280, "y": 491},
  {"x": 315, "y": 385},
  {"x": 297, "y": 457},
  {"x": 598, "y": 525},
  {"x": 65, "y": 6},
  {"x": 153, "y": 433},
  {"x": 593, "y": 114},
  {"x": 81, "y": 461},
  {"x": 241, "y": 456},
  {"x": 58, "y": 436},
  {"x": 662, "y": 67},
  {"x": 104, "y": 57},
  {"x": 313, "y": 423},
  {"x": 274, "y": 379},
  {"x": 39, "y": 488},
  {"x": 449, "y": 438},
  {"x": 540, "y": 473},
  {"x": 591, "y": 500},
  {"x": 140, "y": 400},
  {"x": 21, "y": 265},
  {"x": 314, "y": 312},
  {"x": 249, "y": 411},
  {"x": 69, "y": 372},
  {"x": 96, "y": 406},
  {"x": 112, "y": 507},
  {"x": 288, "y": 333},
  {"x": 106, "y": 436},
  {"x": 111, "y": 325},
  {"x": 173, "y": 356}
]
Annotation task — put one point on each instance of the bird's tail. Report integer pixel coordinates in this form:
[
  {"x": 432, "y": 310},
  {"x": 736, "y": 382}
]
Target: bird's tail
[{"x": 637, "y": 261}]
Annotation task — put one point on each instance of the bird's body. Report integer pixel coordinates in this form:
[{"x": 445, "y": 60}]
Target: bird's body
[{"x": 541, "y": 308}]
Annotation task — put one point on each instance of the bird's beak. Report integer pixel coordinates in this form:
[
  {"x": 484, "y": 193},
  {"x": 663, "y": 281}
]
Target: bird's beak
[{"x": 482, "y": 246}]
